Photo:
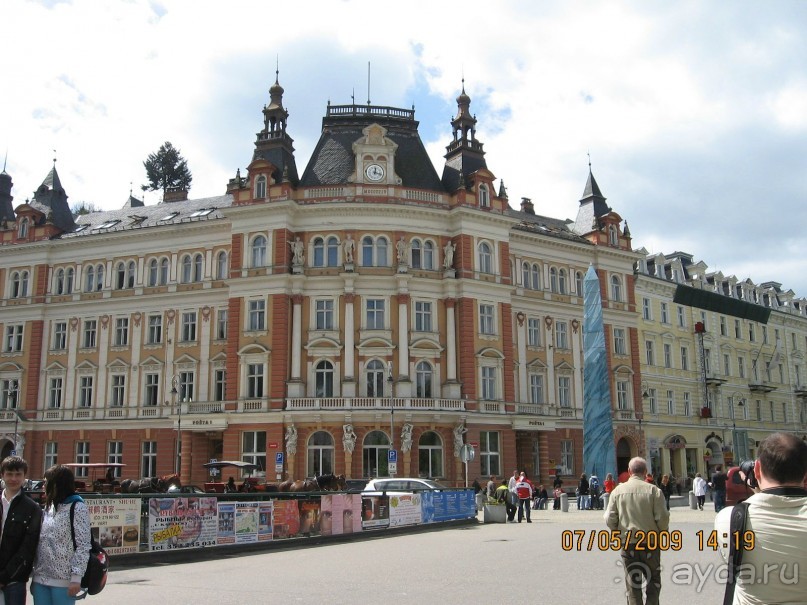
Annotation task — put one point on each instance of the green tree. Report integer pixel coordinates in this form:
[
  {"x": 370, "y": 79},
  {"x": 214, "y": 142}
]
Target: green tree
[
  {"x": 167, "y": 169},
  {"x": 83, "y": 208}
]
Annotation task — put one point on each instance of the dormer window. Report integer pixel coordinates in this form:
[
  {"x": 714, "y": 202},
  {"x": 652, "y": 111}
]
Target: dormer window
[
  {"x": 203, "y": 212},
  {"x": 108, "y": 224},
  {"x": 484, "y": 196},
  {"x": 260, "y": 187},
  {"x": 170, "y": 216},
  {"x": 613, "y": 236},
  {"x": 22, "y": 231}
]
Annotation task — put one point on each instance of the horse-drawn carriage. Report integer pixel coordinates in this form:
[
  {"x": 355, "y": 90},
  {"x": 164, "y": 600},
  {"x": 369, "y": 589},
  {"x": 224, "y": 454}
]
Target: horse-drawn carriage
[
  {"x": 321, "y": 483},
  {"x": 102, "y": 476}
]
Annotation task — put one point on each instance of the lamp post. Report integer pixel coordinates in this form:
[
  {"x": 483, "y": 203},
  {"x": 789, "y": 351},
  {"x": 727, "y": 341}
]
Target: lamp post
[
  {"x": 17, "y": 417},
  {"x": 178, "y": 457},
  {"x": 740, "y": 403},
  {"x": 391, "y": 410}
]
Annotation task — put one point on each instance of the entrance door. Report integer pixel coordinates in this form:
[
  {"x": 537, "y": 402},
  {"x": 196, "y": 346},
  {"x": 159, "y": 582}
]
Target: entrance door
[
  {"x": 623, "y": 455},
  {"x": 5, "y": 451}
]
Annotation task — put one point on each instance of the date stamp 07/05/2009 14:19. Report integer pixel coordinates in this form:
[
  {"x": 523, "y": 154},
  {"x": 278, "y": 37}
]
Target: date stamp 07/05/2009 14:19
[{"x": 614, "y": 540}]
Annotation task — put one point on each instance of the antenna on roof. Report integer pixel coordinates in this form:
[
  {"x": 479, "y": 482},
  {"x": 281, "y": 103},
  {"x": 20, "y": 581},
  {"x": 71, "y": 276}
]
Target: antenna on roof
[
  {"x": 5, "y": 160},
  {"x": 277, "y": 69},
  {"x": 353, "y": 95},
  {"x": 54, "y": 158},
  {"x": 588, "y": 153},
  {"x": 368, "y": 82}
]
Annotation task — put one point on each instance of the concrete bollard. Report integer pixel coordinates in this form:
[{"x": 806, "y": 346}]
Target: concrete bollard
[
  {"x": 564, "y": 503},
  {"x": 693, "y": 500}
]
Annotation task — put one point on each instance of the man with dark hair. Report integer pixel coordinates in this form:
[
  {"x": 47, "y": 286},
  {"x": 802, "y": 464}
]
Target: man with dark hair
[
  {"x": 22, "y": 518},
  {"x": 637, "y": 509},
  {"x": 718, "y": 485},
  {"x": 774, "y": 563}
]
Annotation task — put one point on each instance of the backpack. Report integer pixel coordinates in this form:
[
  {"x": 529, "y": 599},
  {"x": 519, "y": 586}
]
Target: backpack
[
  {"x": 594, "y": 486},
  {"x": 94, "y": 578}
]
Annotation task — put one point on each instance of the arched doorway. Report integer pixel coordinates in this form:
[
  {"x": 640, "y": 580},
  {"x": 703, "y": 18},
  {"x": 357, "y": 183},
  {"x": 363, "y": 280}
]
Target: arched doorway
[
  {"x": 624, "y": 452},
  {"x": 715, "y": 458},
  {"x": 6, "y": 449}
]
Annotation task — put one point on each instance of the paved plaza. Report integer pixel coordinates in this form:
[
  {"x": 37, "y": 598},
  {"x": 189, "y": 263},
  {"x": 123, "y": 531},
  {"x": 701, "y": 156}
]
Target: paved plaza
[{"x": 484, "y": 563}]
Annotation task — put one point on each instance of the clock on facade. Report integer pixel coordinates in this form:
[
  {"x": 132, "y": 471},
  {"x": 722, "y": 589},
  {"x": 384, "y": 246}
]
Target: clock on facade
[{"x": 374, "y": 172}]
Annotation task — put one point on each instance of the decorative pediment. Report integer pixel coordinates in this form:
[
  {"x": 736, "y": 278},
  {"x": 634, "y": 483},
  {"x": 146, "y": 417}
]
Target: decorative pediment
[
  {"x": 375, "y": 158},
  {"x": 254, "y": 349},
  {"x": 490, "y": 353}
]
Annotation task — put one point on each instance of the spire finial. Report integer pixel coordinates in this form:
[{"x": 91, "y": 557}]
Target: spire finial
[
  {"x": 353, "y": 95},
  {"x": 54, "y": 158},
  {"x": 588, "y": 153},
  {"x": 5, "y": 160},
  {"x": 277, "y": 69},
  {"x": 368, "y": 83},
  {"x": 130, "y": 188}
]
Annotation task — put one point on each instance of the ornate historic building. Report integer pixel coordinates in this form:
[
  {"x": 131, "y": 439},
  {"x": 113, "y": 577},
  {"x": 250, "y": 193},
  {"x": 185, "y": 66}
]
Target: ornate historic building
[{"x": 368, "y": 302}]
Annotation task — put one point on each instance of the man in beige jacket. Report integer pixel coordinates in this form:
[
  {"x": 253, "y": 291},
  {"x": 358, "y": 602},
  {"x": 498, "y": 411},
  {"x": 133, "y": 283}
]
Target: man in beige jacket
[{"x": 636, "y": 509}]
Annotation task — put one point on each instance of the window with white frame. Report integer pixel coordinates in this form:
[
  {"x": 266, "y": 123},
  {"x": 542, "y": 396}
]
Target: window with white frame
[
  {"x": 374, "y": 378},
  {"x": 723, "y": 326},
  {"x": 665, "y": 313},
  {"x": 55, "y": 392},
  {"x": 82, "y": 457},
  {"x": 60, "y": 336},
  {"x": 561, "y": 335},
  {"x": 687, "y": 404},
  {"x": 255, "y": 372},
  {"x": 562, "y": 281},
  {"x": 51, "y": 457},
  {"x": 651, "y": 401},
  {"x": 485, "y": 258},
  {"x": 623, "y": 395},
  {"x": 323, "y": 314},
  {"x": 121, "y": 332},
  {"x": 726, "y": 365},
  {"x": 667, "y": 355},
  {"x": 578, "y": 280},
  {"x": 9, "y": 393},
  {"x": 19, "y": 284},
  {"x": 258, "y": 252},
  {"x": 537, "y": 388},
  {"x": 646, "y": 309},
  {"x": 488, "y": 382},
  {"x": 416, "y": 254},
  {"x": 22, "y": 230},
  {"x": 326, "y": 251},
  {"x": 553, "y": 279},
  {"x": 151, "y": 392},
  {"x": 148, "y": 459},
  {"x": 375, "y": 311},
  {"x": 490, "y": 453},
  {"x": 153, "y": 274},
  {"x": 525, "y": 276},
  {"x": 650, "y": 352},
  {"x": 486, "y": 319},
  {"x": 613, "y": 236},
  {"x": 89, "y": 334},
  {"x": 219, "y": 385},
  {"x": 222, "y": 266},
  {"x": 484, "y": 196},
  {"x": 671, "y": 403},
  {"x": 187, "y": 381},
  {"x": 118, "y": 398},
  {"x": 566, "y": 457},
  {"x": 741, "y": 367},
  {"x": 616, "y": 288},
  {"x": 188, "y": 326},
  {"x": 374, "y": 251},
  {"x": 198, "y": 268},
  {"x": 430, "y": 455},
  {"x": 533, "y": 332},
  {"x": 221, "y": 324},
  {"x": 85, "y": 391},
  {"x": 256, "y": 315},
  {"x": 682, "y": 318},
  {"x": 428, "y": 255},
  {"x": 374, "y": 454},
  {"x": 253, "y": 450},
  {"x": 565, "y": 391},
  {"x": 13, "y": 340},
  {"x": 423, "y": 316},
  {"x": 155, "y": 330},
  {"x": 684, "y": 358},
  {"x": 703, "y": 320},
  {"x": 260, "y": 187},
  {"x": 424, "y": 375},
  {"x": 320, "y": 454},
  {"x": 620, "y": 344},
  {"x": 737, "y": 329},
  {"x": 323, "y": 379},
  {"x": 114, "y": 455},
  {"x": 752, "y": 334}
]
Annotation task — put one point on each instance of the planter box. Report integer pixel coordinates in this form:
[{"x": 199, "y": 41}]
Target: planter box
[{"x": 495, "y": 513}]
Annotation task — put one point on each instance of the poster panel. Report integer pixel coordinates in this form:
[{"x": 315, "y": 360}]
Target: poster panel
[
  {"x": 309, "y": 517},
  {"x": 244, "y": 522},
  {"x": 286, "y": 520},
  {"x": 340, "y": 514},
  {"x": 226, "y": 523},
  {"x": 115, "y": 523},
  {"x": 374, "y": 512},
  {"x": 404, "y": 509},
  {"x": 448, "y": 505},
  {"x": 265, "y": 523},
  {"x": 182, "y": 523}
]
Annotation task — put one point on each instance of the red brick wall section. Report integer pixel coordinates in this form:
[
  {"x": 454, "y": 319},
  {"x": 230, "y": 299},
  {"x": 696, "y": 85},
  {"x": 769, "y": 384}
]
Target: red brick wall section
[
  {"x": 280, "y": 305},
  {"x": 233, "y": 333},
  {"x": 635, "y": 352},
  {"x": 464, "y": 256},
  {"x": 34, "y": 364},
  {"x": 282, "y": 251},
  {"x": 504, "y": 262},
  {"x": 466, "y": 327},
  {"x": 509, "y": 352},
  {"x": 236, "y": 253},
  {"x": 41, "y": 284}
]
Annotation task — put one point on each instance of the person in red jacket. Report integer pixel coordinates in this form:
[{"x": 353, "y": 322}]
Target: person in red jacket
[{"x": 524, "y": 491}]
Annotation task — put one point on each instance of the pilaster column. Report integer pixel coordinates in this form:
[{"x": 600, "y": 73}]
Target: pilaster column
[
  {"x": 403, "y": 334},
  {"x": 350, "y": 344},
  {"x": 296, "y": 335},
  {"x": 521, "y": 345},
  {"x": 451, "y": 341}
]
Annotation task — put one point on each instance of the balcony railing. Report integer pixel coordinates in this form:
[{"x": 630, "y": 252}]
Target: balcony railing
[{"x": 373, "y": 403}]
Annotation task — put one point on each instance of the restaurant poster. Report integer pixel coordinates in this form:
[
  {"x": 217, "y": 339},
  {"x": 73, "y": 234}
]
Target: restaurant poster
[
  {"x": 374, "y": 512},
  {"x": 404, "y": 509},
  {"x": 286, "y": 519},
  {"x": 340, "y": 514},
  {"x": 115, "y": 523},
  {"x": 182, "y": 523},
  {"x": 309, "y": 517},
  {"x": 448, "y": 505}
]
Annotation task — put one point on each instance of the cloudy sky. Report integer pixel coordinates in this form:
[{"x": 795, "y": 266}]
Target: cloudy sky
[{"x": 694, "y": 113}]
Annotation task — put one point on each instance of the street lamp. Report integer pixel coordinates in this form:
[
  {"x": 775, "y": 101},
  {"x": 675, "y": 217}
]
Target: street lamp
[
  {"x": 17, "y": 417},
  {"x": 740, "y": 403},
  {"x": 391, "y": 410},
  {"x": 178, "y": 457}
]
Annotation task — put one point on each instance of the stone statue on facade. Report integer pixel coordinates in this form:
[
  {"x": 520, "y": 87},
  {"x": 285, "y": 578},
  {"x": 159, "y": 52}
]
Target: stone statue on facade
[
  {"x": 291, "y": 439},
  {"x": 448, "y": 255},
  {"x": 406, "y": 437},
  {"x": 349, "y": 246},
  {"x": 349, "y": 438},
  {"x": 298, "y": 252},
  {"x": 459, "y": 440},
  {"x": 401, "y": 247}
]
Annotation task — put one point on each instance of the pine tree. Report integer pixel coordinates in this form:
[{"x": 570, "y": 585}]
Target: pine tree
[{"x": 167, "y": 169}]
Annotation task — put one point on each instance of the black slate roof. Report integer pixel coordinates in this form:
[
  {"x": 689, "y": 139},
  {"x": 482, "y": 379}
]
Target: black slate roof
[{"x": 545, "y": 225}]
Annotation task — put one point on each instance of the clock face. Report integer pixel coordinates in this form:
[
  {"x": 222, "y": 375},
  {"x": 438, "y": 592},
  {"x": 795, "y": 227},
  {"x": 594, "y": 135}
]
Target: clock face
[{"x": 374, "y": 172}]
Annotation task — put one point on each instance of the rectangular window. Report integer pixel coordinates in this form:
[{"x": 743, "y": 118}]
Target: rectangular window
[
  {"x": 60, "y": 336},
  {"x": 148, "y": 461},
  {"x": 89, "y": 333},
  {"x": 13, "y": 340},
  {"x": 221, "y": 324},
  {"x": 55, "y": 393},
  {"x": 534, "y": 332},
  {"x": 561, "y": 335},
  {"x": 651, "y": 401},
  {"x": 773, "y": 416},
  {"x": 122, "y": 332},
  {"x": 488, "y": 383},
  {"x": 684, "y": 358},
  {"x": 489, "y": 456},
  {"x": 51, "y": 457},
  {"x": 118, "y": 390},
  {"x": 741, "y": 367},
  {"x": 784, "y": 412},
  {"x": 82, "y": 457},
  {"x": 737, "y": 329},
  {"x": 752, "y": 335},
  {"x": 665, "y": 314},
  {"x": 723, "y": 326},
  {"x": 85, "y": 391},
  {"x": 682, "y": 318},
  {"x": 759, "y": 410},
  {"x": 375, "y": 314},
  {"x": 253, "y": 450},
  {"x": 566, "y": 457},
  {"x": 10, "y": 395},
  {"x": 188, "y": 326},
  {"x": 486, "y": 319},
  {"x": 765, "y": 335},
  {"x": 152, "y": 391},
  {"x": 646, "y": 311},
  {"x": 536, "y": 388},
  {"x": 257, "y": 315},
  {"x": 219, "y": 385},
  {"x": 726, "y": 364},
  {"x": 564, "y": 391},
  {"x": 423, "y": 316},
  {"x": 650, "y": 352},
  {"x": 667, "y": 356},
  {"x": 622, "y": 395},
  {"x": 620, "y": 348},
  {"x": 687, "y": 404},
  {"x": 323, "y": 314},
  {"x": 187, "y": 380},
  {"x": 707, "y": 364},
  {"x": 115, "y": 456},
  {"x": 255, "y": 380},
  {"x": 671, "y": 403},
  {"x": 155, "y": 335},
  {"x": 703, "y": 320}
]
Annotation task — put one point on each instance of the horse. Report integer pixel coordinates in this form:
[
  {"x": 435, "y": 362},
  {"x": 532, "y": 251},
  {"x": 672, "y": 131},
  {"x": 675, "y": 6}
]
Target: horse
[
  {"x": 322, "y": 483},
  {"x": 152, "y": 485},
  {"x": 331, "y": 483}
]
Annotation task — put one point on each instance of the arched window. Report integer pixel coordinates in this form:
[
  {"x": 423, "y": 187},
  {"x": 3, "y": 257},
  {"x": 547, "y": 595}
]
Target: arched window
[
  {"x": 15, "y": 285},
  {"x": 333, "y": 252},
  {"x": 59, "y": 285},
  {"x": 374, "y": 454},
  {"x": 22, "y": 232},
  {"x": 120, "y": 276},
  {"x": 536, "y": 277},
  {"x": 319, "y": 252},
  {"x": 163, "y": 271},
  {"x": 430, "y": 455},
  {"x": 260, "y": 187},
  {"x": 68, "y": 280},
  {"x": 416, "y": 253},
  {"x": 428, "y": 255},
  {"x": 616, "y": 288},
  {"x": 130, "y": 274},
  {"x": 367, "y": 251},
  {"x": 324, "y": 379},
  {"x": 525, "y": 275},
  {"x": 613, "y": 235},
  {"x": 381, "y": 247},
  {"x": 186, "y": 269},
  {"x": 197, "y": 268},
  {"x": 89, "y": 279},
  {"x": 221, "y": 265},
  {"x": 259, "y": 251},
  {"x": 484, "y": 196},
  {"x": 154, "y": 272},
  {"x": 562, "y": 281},
  {"x": 99, "y": 278},
  {"x": 374, "y": 374},
  {"x": 553, "y": 279},
  {"x": 485, "y": 258},
  {"x": 578, "y": 282},
  {"x": 320, "y": 454},
  {"x": 423, "y": 380}
]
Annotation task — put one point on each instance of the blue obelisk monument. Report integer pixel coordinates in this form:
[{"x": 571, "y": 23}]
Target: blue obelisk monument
[{"x": 599, "y": 453}]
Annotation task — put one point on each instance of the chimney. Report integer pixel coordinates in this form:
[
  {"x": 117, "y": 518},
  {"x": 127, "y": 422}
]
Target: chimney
[
  {"x": 526, "y": 205},
  {"x": 175, "y": 194}
]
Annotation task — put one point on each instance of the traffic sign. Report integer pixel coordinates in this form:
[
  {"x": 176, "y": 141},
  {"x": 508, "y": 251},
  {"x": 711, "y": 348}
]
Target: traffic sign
[
  {"x": 393, "y": 468},
  {"x": 392, "y": 456},
  {"x": 467, "y": 453},
  {"x": 279, "y": 458}
]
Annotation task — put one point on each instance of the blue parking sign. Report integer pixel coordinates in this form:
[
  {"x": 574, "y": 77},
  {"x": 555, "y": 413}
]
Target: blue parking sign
[
  {"x": 279, "y": 457},
  {"x": 392, "y": 456}
]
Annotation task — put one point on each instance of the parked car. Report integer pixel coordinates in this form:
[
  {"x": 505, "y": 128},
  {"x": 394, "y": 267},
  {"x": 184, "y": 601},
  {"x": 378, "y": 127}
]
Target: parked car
[
  {"x": 402, "y": 485},
  {"x": 736, "y": 489},
  {"x": 186, "y": 489},
  {"x": 355, "y": 485}
]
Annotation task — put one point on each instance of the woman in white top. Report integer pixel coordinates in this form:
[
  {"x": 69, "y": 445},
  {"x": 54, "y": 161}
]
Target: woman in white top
[{"x": 699, "y": 489}]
